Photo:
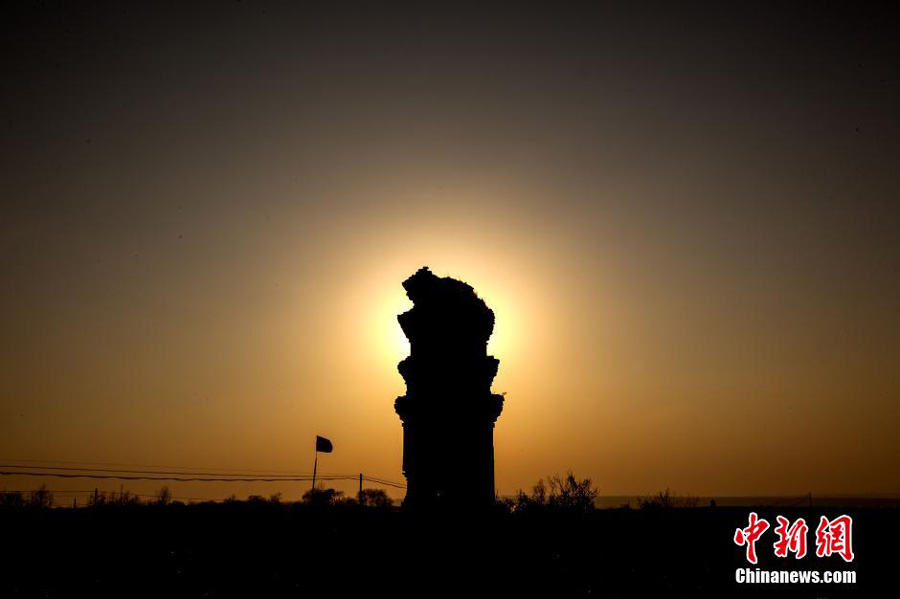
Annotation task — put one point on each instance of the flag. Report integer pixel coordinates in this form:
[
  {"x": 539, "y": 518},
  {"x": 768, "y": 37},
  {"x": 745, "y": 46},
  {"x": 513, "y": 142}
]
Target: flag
[{"x": 323, "y": 445}]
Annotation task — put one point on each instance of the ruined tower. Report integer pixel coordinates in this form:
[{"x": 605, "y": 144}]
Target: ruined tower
[{"x": 448, "y": 411}]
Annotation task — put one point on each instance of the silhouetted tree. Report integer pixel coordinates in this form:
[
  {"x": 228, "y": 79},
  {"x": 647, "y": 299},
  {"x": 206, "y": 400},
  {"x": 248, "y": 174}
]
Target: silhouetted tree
[
  {"x": 11, "y": 499},
  {"x": 666, "y": 500},
  {"x": 41, "y": 498},
  {"x": 524, "y": 502},
  {"x": 376, "y": 498},
  {"x": 128, "y": 498},
  {"x": 570, "y": 493},
  {"x": 565, "y": 492},
  {"x": 163, "y": 496},
  {"x": 539, "y": 493},
  {"x": 321, "y": 496}
]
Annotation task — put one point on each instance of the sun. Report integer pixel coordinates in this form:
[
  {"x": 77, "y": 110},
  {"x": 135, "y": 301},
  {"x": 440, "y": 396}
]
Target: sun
[
  {"x": 399, "y": 343},
  {"x": 390, "y": 339}
]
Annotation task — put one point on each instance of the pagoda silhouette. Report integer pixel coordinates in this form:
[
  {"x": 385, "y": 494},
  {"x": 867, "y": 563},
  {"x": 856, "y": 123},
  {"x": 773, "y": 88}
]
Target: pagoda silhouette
[{"x": 449, "y": 411}]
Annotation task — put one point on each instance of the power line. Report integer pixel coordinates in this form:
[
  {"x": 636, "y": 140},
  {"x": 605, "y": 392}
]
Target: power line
[
  {"x": 380, "y": 479},
  {"x": 385, "y": 482},
  {"x": 172, "y": 478},
  {"x": 246, "y": 474},
  {"x": 69, "y": 469},
  {"x": 48, "y": 490},
  {"x": 195, "y": 479},
  {"x": 253, "y": 472},
  {"x": 114, "y": 494}
]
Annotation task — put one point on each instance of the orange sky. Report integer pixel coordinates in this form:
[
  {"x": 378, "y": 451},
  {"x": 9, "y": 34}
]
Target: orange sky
[{"x": 693, "y": 266}]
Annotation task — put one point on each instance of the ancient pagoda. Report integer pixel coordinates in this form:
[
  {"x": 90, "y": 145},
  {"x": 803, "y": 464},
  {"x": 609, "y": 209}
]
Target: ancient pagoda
[{"x": 448, "y": 411}]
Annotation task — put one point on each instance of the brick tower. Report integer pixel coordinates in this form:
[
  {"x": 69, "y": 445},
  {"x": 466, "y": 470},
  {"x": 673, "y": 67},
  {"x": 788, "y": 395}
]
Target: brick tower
[{"x": 448, "y": 412}]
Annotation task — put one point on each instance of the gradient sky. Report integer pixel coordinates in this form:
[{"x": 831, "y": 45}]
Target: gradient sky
[{"x": 687, "y": 222}]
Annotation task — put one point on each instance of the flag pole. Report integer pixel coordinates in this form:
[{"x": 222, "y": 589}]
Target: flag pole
[{"x": 315, "y": 465}]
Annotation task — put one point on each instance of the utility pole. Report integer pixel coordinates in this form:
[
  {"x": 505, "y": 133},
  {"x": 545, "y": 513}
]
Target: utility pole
[{"x": 360, "y": 490}]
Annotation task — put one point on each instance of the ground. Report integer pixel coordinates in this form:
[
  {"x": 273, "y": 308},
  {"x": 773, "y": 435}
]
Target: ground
[{"x": 277, "y": 550}]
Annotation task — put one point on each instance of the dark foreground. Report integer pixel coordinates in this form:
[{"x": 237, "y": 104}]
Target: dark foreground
[{"x": 274, "y": 550}]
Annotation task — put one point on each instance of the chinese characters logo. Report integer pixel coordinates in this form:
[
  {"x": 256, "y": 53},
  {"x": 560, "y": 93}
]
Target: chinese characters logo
[{"x": 832, "y": 537}]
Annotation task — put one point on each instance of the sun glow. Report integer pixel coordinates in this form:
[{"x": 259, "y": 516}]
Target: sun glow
[
  {"x": 385, "y": 338},
  {"x": 397, "y": 345}
]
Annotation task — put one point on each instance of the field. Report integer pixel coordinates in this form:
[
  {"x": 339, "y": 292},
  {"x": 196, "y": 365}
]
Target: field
[{"x": 265, "y": 549}]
